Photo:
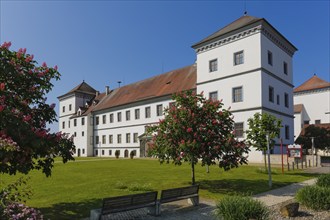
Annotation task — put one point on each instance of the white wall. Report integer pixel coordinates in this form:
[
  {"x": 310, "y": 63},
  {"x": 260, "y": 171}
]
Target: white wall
[
  {"x": 316, "y": 104},
  {"x": 225, "y": 55}
]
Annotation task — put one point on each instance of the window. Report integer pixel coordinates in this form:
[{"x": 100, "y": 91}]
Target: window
[
  {"x": 75, "y": 134},
  {"x": 137, "y": 113},
  {"x": 128, "y": 115},
  {"x": 69, "y": 123},
  {"x": 286, "y": 100},
  {"x": 278, "y": 99},
  {"x": 82, "y": 133},
  {"x": 82, "y": 121},
  {"x": 111, "y": 118},
  {"x": 102, "y": 152},
  {"x": 306, "y": 122},
  {"x": 270, "y": 58},
  {"x": 74, "y": 122},
  {"x": 128, "y": 138},
  {"x": 238, "y": 94},
  {"x": 159, "y": 110},
  {"x": 213, "y": 96},
  {"x": 97, "y": 140},
  {"x": 119, "y": 138},
  {"x": 317, "y": 122},
  {"x": 213, "y": 65},
  {"x": 70, "y": 107},
  {"x": 96, "y": 152},
  {"x": 287, "y": 132},
  {"x": 97, "y": 120},
  {"x": 83, "y": 151},
  {"x": 63, "y": 109},
  {"x": 63, "y": 124},
  {"x": 110, "y": 138},
  {"x": 238, "y": 58},
  {"x": 110, "y": 152},
  {"x": 239, "y": 129},
  {"x": 271, "y": 94},
  {"x": 285, "y": 68},
  {"x": 104, "y": 119},
  {"x": 103, "y": 139},
  {"x": 135, "y": 137},
  {"x": 147, "y": 112},
  {"x": 119, "y": 116}
]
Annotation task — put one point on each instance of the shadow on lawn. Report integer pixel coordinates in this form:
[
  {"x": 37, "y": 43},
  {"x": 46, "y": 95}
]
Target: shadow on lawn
[
  {"x": 70, "y": 210},
  {"x": 238, "y": 186}
]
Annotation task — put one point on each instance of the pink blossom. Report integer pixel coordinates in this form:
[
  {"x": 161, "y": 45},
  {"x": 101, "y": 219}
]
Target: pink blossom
[
  {"x": 52, "y": 105},
  {"x": 29, "y": 58},
  {"x": 189, "y": 130},
  {"x": 44, "y": 64},
  {"x": 27, "y": 118},
  {"x": 6, "y": 45},
  {"x": 2, "y": 107},
  {"x": 2, "y": 86},
  {"x": 55, "y": 67}
]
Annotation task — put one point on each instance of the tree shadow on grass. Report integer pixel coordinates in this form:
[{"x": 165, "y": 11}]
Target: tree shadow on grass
[
  {"x": 71, "y": 211},
  {"x": 238, "y": 186}
]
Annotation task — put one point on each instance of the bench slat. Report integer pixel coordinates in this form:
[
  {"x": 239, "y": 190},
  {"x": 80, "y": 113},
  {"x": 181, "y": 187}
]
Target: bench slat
[
  {"x": 129, "y": 202},
  {"x": 179, "y": 193}
]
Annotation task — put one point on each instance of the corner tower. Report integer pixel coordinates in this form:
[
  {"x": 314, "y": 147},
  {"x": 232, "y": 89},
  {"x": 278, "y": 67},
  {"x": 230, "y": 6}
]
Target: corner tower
[{"x": 248, "y": 64}]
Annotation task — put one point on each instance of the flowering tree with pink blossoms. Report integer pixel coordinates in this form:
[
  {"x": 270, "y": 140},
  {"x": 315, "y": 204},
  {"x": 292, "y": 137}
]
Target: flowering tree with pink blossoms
[
  {"x": 25, "y": 142},
  {"x": 195, "y": 128}
]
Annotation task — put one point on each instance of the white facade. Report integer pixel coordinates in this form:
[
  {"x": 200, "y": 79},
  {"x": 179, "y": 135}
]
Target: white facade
[
  {"x": 314, "y": 107},
  {"x": 234, "y": 65}
]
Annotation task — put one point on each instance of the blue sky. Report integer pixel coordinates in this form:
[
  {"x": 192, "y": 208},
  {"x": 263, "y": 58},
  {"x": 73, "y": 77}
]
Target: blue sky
[{"x": 103, "y": 42}]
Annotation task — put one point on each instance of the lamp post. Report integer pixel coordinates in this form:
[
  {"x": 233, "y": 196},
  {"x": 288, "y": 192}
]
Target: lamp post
[
  {"x": 269, "y": 168},
  {"x": 312, "y": 150}
]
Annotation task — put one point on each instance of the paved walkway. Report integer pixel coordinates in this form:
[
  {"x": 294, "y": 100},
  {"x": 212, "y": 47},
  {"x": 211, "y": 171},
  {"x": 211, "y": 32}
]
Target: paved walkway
[{"x": 181, "y": 210}]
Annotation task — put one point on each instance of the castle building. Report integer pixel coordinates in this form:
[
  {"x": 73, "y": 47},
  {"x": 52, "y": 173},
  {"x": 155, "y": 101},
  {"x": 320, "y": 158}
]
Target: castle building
[
  {"x": 312, "y": 104},
  {"x": 247, "y": 64}
]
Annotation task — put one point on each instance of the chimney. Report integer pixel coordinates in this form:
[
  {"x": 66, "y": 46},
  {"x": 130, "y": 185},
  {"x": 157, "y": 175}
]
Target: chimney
[
  {"x": 97, "y": 93},
  {"x": 107, "y": 90}
]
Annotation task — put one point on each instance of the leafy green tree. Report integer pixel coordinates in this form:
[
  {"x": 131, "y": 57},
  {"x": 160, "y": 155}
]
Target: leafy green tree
[
  {"x": 259, "y": 126},
  {"x": 321, "y": 138},
  {"x": 25, "y": 142},
  {"x": 194, "y": 129}
]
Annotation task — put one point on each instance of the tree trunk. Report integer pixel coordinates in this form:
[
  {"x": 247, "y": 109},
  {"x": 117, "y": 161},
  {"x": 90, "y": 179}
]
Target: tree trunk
[
  {"x": 192, "y": 172},
  {"x": 265, "y": 160}
]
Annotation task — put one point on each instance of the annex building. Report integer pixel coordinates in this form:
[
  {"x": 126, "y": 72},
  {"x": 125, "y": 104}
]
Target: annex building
[
  {"x": 312, "y": 104},
  {"x": 247, "y": 64}
]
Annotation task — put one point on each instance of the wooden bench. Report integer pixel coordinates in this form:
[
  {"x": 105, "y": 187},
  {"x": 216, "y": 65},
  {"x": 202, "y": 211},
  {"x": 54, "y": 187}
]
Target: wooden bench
[
  {"x": 170, "y": 195},
  {"x": 126, "y": 203}
]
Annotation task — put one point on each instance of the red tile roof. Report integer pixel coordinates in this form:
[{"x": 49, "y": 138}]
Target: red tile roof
[
  {"x": 313, "y": 83},
  {"x": 83, "y": 88},
  {"x": 298, "y": 108},
  {"x": 165, "y": 84}
]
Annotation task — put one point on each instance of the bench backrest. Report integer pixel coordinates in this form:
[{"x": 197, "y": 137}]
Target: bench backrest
[
  {"x": 122, "y": 203},
  {"x": 169, "y": 194}
]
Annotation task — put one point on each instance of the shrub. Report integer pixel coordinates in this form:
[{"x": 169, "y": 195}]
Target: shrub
[
  {"x": 238, "y": 207},
  {"x": 323, "y": 180},
  {"x": 314, "y": 197}
]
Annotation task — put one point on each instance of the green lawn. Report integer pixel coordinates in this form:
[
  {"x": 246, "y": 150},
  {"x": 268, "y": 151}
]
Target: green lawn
[{"x": 77, "y": 187}]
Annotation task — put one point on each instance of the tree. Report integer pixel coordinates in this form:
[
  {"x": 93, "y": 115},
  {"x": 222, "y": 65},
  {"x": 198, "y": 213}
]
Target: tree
[
  {"x": 321, "y": 138},
  {"x": 197, "y": 129},
  {"x": 25, "y": 142},
  {"x": 259, "y": 126}
]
